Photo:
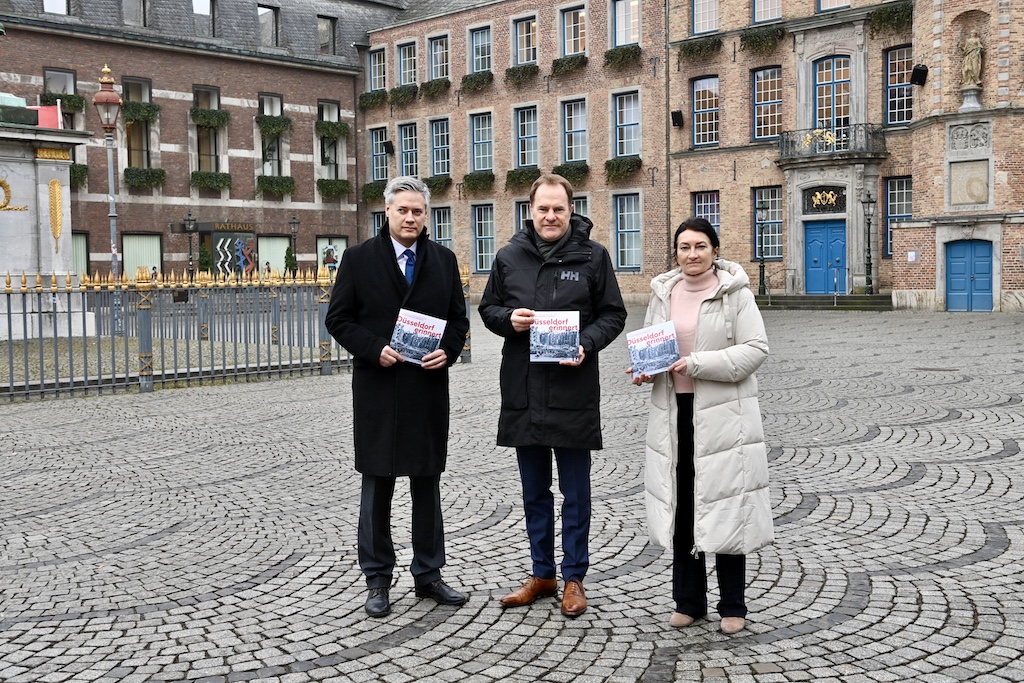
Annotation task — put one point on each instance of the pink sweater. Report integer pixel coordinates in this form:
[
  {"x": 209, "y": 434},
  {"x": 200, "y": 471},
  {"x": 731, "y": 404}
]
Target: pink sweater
[{"x": 684, "y": 304}]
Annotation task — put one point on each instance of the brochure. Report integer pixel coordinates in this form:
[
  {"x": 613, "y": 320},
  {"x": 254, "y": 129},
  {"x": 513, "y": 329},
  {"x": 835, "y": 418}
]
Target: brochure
[
  {"x": 653, "y": 349},
  {"x": 416, "y": 335},
  {"x": 555, "y": 336}
]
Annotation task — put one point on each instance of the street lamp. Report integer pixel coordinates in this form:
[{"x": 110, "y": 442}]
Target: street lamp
[
  {"x": 868, "y": 202},
  {"x": 190, "y": 228},
  {"x": 294, "y": 225},
  {"x": 760, "y": 216},
  {"x": 108, "y": 106}
]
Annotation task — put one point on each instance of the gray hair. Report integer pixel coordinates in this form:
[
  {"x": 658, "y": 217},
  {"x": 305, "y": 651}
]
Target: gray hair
[{"x": 406, "y": 183}]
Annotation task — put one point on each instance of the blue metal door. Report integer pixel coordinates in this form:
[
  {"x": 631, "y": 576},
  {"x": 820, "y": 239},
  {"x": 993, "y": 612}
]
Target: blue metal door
[
  {"x": 825, "y": 257},
  {"x": 969, "y": 276}
]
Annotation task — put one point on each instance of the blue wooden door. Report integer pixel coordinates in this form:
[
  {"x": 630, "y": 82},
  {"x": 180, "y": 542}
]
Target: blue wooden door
[
  {"x": 825, "y": 257},
  {"x": 969, "y": 276}
]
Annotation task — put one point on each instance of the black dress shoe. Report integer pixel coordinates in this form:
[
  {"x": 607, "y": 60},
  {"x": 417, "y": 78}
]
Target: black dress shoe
[
  {"x": 377, "y": 603},
  {"x": 441, "y": 592}
]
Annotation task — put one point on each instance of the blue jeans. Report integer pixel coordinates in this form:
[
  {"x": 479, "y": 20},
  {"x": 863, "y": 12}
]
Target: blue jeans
[{"x": 539, "y": 505}]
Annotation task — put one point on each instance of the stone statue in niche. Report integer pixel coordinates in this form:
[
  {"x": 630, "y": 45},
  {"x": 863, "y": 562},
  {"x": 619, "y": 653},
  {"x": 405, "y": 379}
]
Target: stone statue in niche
[{"x": 971, "y": 49}]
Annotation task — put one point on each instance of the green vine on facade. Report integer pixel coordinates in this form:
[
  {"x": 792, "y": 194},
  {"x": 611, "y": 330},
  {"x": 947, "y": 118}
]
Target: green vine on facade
[
  {"x": 332, "y": 130},
  {"x": 761, "y": 40},
  {"x": 140, "y": 112},
  {"x": 567, "y": 65},
  {"x": 435, "y": 88},
  {"x": 208, "y": 180},
  {"x": 896, "y": 17},
  {"x": 573, "y": 171},
  {"x": 209, "y": 118},
  {"x": 69, "y": 104},
  {"x": 144, "y": 178},
  {"x": 403, "y": 95},
  {"x": 517, "y": 178},
  {"x": 477, "y": 81},
  {"x": 331, "y": 188},
  {"x": 522, "y": 74},
  {"x": 277, "y": 185},
  {"x": 438, "y": 184},
  {"x": 478, "y": 181},
  {"x": 79, "y": 173},
  {"x": 273, "y": 126},
  {"x": 373, "y": 191},
  {"x": 373, "y": 99},
  {"x": 621, "y": 168},
  {"x": 624, "y": 57},
  {"x": 700, "y": 48}
]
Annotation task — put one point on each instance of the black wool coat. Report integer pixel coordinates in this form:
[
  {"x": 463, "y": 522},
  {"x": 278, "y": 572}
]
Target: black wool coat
[
  {"x": 547, "y": 404},
  {"x": 400, "y": 413}
]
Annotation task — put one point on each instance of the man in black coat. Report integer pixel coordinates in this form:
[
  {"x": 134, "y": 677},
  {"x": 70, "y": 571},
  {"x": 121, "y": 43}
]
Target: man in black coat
[
  {"x": 399, "y": 409},
  {"x": 553, "y": 265}
]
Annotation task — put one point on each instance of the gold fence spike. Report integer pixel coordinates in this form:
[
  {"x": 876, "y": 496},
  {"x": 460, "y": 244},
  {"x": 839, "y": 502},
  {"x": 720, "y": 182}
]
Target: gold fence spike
[{"x": 7, "y": 283}]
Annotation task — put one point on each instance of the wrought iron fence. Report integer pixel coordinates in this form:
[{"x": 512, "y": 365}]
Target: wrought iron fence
[
  {"x": 61, "y": 338},
  {"x": 858, "y": 138}
]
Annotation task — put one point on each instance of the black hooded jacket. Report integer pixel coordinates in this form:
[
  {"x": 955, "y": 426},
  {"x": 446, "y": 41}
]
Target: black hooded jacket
[{"x": 547, "y": 404}]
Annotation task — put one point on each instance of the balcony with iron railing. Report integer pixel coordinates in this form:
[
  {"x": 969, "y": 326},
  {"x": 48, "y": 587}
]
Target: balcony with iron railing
[{"x": 841, "y": 143}]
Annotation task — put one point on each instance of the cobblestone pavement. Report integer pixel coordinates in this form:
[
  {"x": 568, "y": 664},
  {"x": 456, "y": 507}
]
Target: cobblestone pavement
[{"x": 207, "y": 534}]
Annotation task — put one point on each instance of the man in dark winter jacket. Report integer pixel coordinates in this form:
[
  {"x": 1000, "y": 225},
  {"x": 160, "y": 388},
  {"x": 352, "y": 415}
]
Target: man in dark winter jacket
[
  {"x": 400, "y": 409},
  {"x": 553, "y": 265}
]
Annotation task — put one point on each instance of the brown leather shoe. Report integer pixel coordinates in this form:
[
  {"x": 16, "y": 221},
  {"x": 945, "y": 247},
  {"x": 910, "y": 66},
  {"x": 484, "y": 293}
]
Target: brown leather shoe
[
  {"x": 574, "y": 599},
  {"x": 530, "y": 591}
]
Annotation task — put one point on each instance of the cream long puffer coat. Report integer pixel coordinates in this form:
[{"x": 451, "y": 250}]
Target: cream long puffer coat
[{"x": 732, "y": 513}]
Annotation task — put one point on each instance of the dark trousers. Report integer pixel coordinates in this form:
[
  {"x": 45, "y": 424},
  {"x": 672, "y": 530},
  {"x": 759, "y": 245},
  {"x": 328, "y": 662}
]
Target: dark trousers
[
  {"x": 689, "y": 575},
  {"x": 539, "y": 505},
  {"x": 376, "y": 549}
]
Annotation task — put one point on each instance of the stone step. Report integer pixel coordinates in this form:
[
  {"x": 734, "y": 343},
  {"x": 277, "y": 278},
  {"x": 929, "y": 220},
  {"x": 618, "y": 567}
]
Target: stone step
[{"x": 850, "y": 302}]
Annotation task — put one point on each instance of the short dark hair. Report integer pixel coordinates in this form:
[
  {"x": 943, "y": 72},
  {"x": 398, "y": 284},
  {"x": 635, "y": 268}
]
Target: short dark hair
[
  {"x": 699, "y": 225},
  {"x": 552, "y": 179}
]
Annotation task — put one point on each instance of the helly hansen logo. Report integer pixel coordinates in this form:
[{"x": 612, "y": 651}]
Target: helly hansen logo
[{"x": 571, "y": 275}]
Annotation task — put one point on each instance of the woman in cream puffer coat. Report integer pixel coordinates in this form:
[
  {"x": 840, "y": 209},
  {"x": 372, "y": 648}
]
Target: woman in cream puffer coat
[{"x": 724, "y": 474}]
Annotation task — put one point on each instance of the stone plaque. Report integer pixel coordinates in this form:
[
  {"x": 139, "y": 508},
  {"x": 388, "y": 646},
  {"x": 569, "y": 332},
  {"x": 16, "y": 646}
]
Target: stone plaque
[{"x": 968, "y": 183}]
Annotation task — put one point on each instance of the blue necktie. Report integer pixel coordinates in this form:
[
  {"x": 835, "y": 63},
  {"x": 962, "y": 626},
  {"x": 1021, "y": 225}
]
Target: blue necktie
[{"x": 410, "y": 264}]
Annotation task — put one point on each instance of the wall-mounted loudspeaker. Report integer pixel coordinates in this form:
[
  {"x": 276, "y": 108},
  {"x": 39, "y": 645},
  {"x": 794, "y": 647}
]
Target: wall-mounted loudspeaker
[
  {"x": 389, "y": 147},
  {"x": 919, "y": 74},
  {"x": 677, "y": 118}
]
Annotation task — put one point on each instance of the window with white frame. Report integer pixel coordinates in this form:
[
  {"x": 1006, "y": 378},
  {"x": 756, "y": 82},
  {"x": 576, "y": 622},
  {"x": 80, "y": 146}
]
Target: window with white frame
[
  {"x": 767, "y": 10},
  {"x": 378, "y": 70},
  {"x": 626, "y": 14},
  {"x": 483, "y": 236},
  {"x": 207, "y": 150},
  {"x": 574, "y": 31},
  {"x": 482, "y": 129},
  {"x": 328, "y": 111},
  {"x": 832, "y": 88},
  {"x": 134, "y": 13},
  {"x": 204, "y": 18},
  {"x": 268, "y": 20},
  {"x": 439, "y": 57},
  {"x": 61, "y": 82},
  {"x": 327, "y": 29},
  {"x": 627, "y": 124},
  {"x": 628, "y": 250},
  {"x": 526, "y": 136},
  {"x": 526, "y": 41},
  {"x": 55, "y": 6},
  {"x": 480, "y": 40},
  {"x": 771, "y": 199},
  {"x": 380, "y": 222},
  {"x": 407, "y": 64},
  {"x": 581, "y": 205},
  {"x": 378, "y": 154},
  {"x": 574, "y": 130},
  {"x": 899, "y": 94},
  {"x": 767, "y": 103},
  {"x": 705, "y": 16},
  {"x": 137, "y": 134},
  {"x": 271, "y": 105},
  {"x": 441, "y": 218},
  {"x": 824, "y": 5},
  {"x": 440, "y": 147},
  {"x": 410, "y": 155},
  {"x": 522, "y": 215},
  {"x": 899, "y": 195},
  {"x": 705, "y": 111},
  {"x": 706, "y": 205}
]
